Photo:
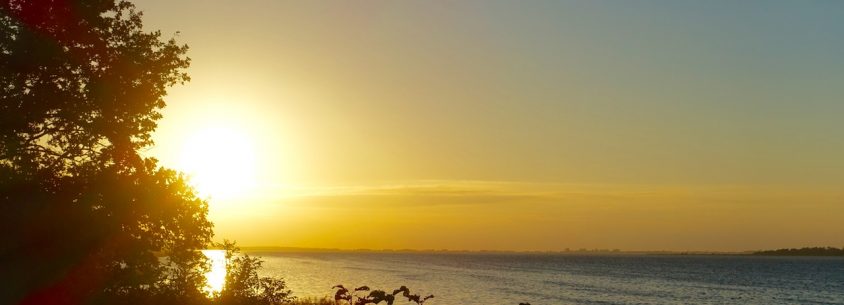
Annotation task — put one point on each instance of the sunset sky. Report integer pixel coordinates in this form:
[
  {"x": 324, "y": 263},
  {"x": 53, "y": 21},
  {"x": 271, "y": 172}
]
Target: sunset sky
[{"x": 511, "y": 125}]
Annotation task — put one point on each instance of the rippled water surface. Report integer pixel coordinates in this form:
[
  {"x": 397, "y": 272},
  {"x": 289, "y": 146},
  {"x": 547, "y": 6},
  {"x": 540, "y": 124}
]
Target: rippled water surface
[{"x": 569, "y": 279}]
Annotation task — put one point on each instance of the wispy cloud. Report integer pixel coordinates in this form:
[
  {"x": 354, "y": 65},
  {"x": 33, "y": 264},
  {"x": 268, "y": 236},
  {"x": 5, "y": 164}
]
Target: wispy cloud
[{"x": 471, "y": 192}]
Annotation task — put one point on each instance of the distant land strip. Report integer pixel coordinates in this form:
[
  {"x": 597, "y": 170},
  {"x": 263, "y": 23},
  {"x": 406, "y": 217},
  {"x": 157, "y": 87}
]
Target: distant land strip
[
  {"x": 809, "y": 251},
  {"x": 806, "y": 251},
  {"x": 364, "y": 250}
]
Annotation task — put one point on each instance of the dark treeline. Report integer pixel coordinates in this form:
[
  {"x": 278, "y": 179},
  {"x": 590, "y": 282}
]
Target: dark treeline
[{"x": 808, "y": 251}]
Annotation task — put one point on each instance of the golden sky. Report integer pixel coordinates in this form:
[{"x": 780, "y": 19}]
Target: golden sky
[{"x": 511, "y": 126}]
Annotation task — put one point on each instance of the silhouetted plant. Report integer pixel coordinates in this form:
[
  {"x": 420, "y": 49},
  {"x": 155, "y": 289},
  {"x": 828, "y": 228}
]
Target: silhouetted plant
[
  {"x": 377, "y": 296},
  {"x": 244, "y": 286},
  {"x": 314, "y": 301},
  {"x": 412, "y": 297},
  {"x": 344, "y": 295},
  {"x": 274, "y": 291}
]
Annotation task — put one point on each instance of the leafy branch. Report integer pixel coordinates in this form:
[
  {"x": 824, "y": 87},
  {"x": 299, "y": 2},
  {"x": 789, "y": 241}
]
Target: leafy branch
[{"x": 353, "y": 297}]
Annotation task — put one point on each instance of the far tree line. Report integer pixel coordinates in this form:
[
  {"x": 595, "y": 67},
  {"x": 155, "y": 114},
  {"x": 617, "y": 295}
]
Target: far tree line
[{"x": 807, "y": 251}]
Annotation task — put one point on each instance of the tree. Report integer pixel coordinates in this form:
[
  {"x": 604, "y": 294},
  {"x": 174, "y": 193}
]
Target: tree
[
  {"x": 83, "y": 84},
  {"x": 82, "y": 213},
  {"x": 244, "y": 286}
]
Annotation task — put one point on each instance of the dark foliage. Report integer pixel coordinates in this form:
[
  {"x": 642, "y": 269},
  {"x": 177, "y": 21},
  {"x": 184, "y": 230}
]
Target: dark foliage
[
  {"x": 83, "y": 84},
  {"x": 345, "y": 296},
  {"x": 813, "y": 251},
  {"x": 244, "y": 286},
  {"x": 84, "y": 218},
  {"x": 412, "y": 297}
]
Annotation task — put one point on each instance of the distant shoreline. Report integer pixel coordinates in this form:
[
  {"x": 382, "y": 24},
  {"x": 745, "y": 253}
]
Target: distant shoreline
[{"x": 808, "y": 251}]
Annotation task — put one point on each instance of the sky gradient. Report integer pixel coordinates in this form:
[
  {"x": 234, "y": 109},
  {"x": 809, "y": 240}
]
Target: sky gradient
[{"x": 530, "y": 125}]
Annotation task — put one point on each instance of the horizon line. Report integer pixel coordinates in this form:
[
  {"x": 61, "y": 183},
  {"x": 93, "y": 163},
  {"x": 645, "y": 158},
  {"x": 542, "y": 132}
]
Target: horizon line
[{"x": 569, "y": 251}]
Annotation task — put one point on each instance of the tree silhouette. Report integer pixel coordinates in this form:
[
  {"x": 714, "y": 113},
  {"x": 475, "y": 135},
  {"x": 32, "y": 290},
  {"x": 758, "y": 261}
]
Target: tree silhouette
[
  {"x": 82, "y": 213},
  {"x": 807, "y": 251},
  {"x": 244, "y": 286}
]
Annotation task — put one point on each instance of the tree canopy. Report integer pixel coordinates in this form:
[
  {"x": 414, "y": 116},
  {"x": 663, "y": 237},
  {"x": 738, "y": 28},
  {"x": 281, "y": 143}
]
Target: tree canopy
[
  {"x": 83, "y": 83},
  {"x": 85, "y": 217}
]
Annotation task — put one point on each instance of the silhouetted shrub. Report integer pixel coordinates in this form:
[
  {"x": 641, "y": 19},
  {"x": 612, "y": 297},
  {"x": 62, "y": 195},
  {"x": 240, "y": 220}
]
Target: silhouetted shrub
[
  {"x": 352, "y": 297},
  {"x": 314, "y": 301},
  {"x": 412, "y": 297},
  {"x": 243, "y": 285}
]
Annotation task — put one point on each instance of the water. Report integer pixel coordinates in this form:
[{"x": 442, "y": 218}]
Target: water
[
  {"x": 569, "y": 279},
  {"x": 215, "y": 278}
]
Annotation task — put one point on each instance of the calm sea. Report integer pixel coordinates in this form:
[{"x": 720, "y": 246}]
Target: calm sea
[{"x": 569, "y": 279}]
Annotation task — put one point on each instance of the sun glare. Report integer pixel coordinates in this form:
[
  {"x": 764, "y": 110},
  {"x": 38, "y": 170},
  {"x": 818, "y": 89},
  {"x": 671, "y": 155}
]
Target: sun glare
[
  {"x": 216, "y": 276},
  {"x": 220, "y": 161}
]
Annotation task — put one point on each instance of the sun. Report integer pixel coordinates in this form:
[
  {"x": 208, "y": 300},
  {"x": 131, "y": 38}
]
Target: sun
[{"x": 220, "y": 161}]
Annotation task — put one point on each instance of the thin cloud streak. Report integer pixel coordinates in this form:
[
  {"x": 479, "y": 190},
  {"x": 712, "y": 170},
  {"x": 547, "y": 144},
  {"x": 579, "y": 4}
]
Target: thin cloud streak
[{"x": 463, "y": 192}]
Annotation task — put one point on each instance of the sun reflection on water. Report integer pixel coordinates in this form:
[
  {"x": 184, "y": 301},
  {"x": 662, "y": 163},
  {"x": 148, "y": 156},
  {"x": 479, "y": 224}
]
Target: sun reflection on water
[{"x": 216, "y": 277}]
